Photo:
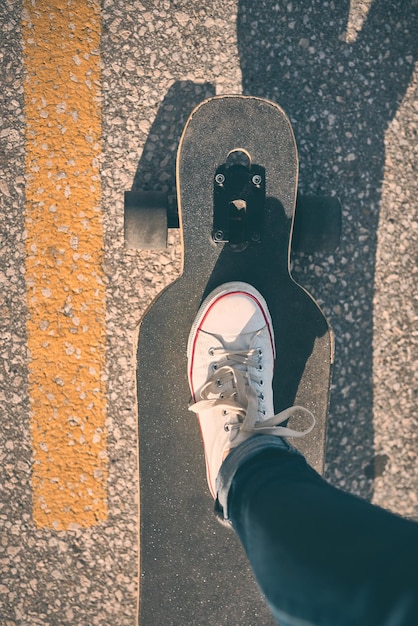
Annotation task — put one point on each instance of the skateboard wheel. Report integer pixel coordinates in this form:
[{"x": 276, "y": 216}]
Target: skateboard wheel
[
  {"x": 145, "y": 223},
  {"x": 317, "y": 225}
]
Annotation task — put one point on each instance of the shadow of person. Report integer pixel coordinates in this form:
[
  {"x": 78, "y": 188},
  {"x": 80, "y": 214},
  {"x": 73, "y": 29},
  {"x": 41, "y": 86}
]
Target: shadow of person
[{"x": 341, "y": 97}]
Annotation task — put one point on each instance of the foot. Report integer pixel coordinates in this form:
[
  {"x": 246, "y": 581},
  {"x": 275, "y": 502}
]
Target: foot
[{"x": 231, "y": 355}]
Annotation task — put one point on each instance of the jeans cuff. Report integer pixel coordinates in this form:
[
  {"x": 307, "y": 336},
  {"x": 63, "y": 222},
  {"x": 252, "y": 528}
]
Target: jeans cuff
[{"x": 242, "y": 453}]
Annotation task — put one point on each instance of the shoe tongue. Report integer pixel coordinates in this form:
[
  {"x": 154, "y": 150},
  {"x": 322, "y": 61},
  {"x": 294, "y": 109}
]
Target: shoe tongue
[{"x": 243, "y": 341}]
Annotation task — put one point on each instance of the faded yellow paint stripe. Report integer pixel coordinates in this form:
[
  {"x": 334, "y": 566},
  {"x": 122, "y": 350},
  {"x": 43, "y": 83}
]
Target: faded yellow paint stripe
[{"x": 64, "y": 246}]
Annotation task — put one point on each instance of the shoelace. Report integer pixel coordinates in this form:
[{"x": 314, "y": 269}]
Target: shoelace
[{"x": 231, "y": 388}]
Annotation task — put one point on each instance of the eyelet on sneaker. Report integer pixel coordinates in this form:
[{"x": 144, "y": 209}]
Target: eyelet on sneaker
[
  {"x": 211, "y": 351},
  {"x": 261, "y": 396},
  {"x": 224, "y": 412},
  {"x": 260, "y": 352},
  {"x": 214, "y": 367},
  {"x": 228, "y": 427},
  {"x": 260, "y": 368},
  {"x": 261, "y": 382}
]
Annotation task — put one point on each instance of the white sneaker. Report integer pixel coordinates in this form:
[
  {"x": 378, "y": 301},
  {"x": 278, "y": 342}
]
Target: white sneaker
[{"x": 231, "y": 357}]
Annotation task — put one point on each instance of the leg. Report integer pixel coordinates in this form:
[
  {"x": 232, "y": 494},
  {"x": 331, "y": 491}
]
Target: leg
[{"x": 321, "y": 556}]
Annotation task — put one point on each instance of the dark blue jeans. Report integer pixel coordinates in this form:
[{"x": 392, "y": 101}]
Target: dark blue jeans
[{"x": 322, "y": 557}]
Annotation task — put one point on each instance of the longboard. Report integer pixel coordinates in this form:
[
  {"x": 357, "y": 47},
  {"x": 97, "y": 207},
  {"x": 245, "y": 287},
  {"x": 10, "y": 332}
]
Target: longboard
[{"x": 192, "y": 570}]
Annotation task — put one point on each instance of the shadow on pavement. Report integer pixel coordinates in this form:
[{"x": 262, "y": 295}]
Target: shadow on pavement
[{"x": 340, "y": 97}]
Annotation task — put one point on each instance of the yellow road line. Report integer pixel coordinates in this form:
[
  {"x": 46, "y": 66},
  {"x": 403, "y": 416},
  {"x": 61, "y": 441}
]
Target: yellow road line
[{"x": 64, "y": 245}]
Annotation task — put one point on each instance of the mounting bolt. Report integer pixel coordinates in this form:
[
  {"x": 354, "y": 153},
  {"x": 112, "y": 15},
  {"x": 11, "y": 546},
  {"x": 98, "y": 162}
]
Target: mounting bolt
[
  {"x": 256, "y": 180},
  {"x": 220, "y": 179},
  {"x": 218, "y": 235},
  {"x": 255, "y": 237}
]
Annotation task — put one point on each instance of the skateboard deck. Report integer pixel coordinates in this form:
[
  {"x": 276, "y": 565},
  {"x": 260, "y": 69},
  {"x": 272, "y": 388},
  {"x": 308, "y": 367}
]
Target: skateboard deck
[{"x": 192, "y": 570}]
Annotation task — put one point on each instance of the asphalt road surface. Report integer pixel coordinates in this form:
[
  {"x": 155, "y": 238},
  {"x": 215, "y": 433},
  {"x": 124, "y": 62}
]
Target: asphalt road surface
[{"x": 93, "y": 101}]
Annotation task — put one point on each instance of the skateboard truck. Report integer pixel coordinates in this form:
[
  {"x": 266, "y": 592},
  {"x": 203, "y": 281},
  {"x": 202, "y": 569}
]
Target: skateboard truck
[{"x": 239, "y": 193}]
